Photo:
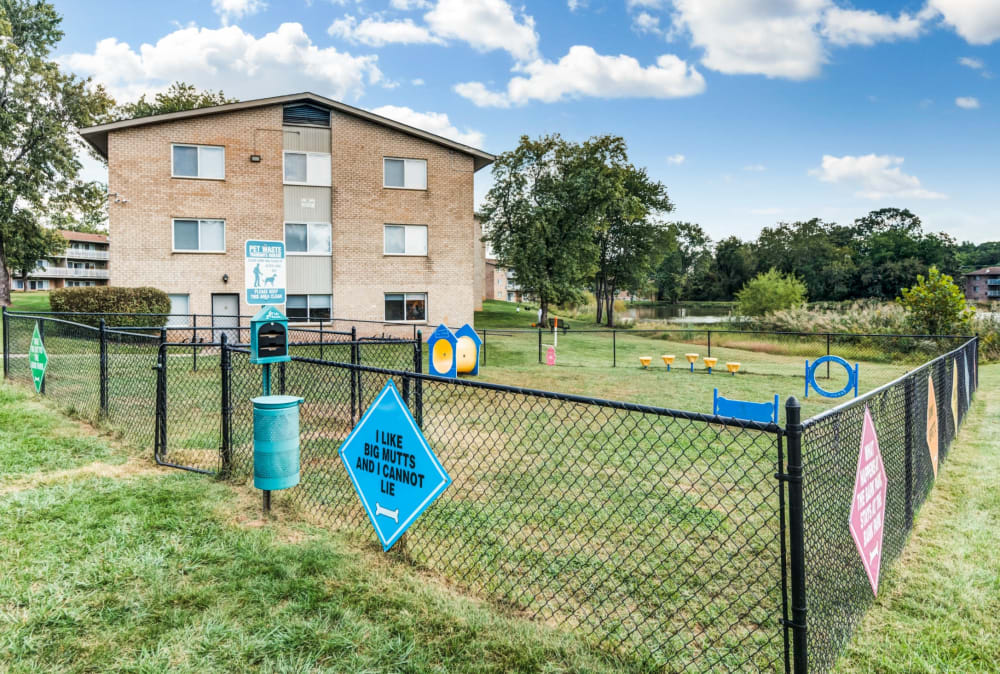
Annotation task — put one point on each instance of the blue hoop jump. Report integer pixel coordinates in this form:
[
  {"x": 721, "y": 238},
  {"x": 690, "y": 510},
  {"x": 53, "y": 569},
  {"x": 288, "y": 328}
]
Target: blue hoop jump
[{"x": 852, "y": 377}]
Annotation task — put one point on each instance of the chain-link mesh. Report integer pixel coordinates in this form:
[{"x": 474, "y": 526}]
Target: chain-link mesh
[
  {"x": 650, "y": 532},
  {"x": 837, "y": 588},
  {"x": 131, "y": 384}
]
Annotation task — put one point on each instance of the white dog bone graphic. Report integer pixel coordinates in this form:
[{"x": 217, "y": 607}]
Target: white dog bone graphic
[{"x": 393, "y": 514}]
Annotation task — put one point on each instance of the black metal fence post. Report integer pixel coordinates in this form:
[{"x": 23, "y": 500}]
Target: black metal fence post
[
  {"x": 418, "y": 366},
  {"x": 41, "y": 336},
  {"x": 908, "y": 396},
  {"x": 796, "y": 533},
  {"x": 194, "y": 341},
  {"x": 539, "y": 346},
  {"x": 614, "y": 348},
  {"x": 6, "y": 343},
  {"x": 709, "y": 343},
  {"x": 828, "y": 353},
  {"x": 321, "y": 340},
  {"x": 354, "y": 374},
  {"x": 484, "y": 347},
  {"x": 226, "y": 451},
  {"x": 160, "y": 446},
  {"x": 103, "y": 375}
]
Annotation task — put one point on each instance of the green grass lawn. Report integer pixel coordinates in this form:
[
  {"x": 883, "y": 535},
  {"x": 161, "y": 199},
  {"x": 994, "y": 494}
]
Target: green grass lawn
[{"x": 29, "y": 301}]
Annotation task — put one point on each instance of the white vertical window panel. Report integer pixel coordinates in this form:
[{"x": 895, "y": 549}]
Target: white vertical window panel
[
  {"x": 213, "y": 235},
  {"x": 416, "y": 240},
  {"x": 318, "y": 169},
  {"x": 415, "y": 174},
  {"x": 211, "y": 162},
  {"x": 319, "y": 238}
]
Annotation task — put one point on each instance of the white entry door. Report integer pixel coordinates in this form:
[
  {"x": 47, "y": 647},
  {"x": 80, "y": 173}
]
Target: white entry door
[{"x": 226, "y": 315}]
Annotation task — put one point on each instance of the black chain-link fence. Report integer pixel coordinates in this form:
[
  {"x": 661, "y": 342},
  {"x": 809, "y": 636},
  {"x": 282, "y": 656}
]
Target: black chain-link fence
[
  {"x": 678, "y": 540},
  {"x": 909, "y": 420}
]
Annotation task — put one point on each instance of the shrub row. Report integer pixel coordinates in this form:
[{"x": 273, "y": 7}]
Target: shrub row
[{"x": 113, "y": 300}]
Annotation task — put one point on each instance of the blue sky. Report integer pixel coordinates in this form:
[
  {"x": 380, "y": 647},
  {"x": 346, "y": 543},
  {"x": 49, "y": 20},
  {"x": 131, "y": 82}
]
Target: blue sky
[{"x": 750, "y": 111}]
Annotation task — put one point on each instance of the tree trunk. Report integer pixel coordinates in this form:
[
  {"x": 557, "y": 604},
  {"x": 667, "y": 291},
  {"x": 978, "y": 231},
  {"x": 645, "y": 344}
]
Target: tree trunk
[
  {"x": 543, "y": 322},
  {"x": 4, "y": 277},
  {"x": 611, "y": 306},
  {"x": 599, "y": 295}
]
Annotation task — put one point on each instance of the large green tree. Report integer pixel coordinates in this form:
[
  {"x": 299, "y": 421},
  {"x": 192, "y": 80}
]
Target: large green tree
[
  {"x": 628, "y": 235},
  {"x": 179, "y": 96},
  {"x": 40, "y": 109},
  {"x": 538, "y": 218},
  {"x": 684, "y": 263}
]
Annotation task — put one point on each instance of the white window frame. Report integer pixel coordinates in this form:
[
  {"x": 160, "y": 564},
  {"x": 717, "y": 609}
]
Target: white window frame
[
  {"x": 194, "y": 145},
  {"x": 404, "y": 253},
  {"x": 327, "y": 180},
  {"x": 405, "y": 161},
  {"x": 299, "y": 321},
  {"x": 308, "y": 253},
  {"x": 426, "y": 297},
  {"x": 199, "y": 251}
]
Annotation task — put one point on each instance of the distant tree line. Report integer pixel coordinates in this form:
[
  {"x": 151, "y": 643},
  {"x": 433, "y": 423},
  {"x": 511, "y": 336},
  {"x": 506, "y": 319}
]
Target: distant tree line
[{"x": 874, "y": 257}]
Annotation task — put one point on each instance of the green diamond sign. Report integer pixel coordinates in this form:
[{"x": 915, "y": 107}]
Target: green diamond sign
[{"x": 38, "y": 360}]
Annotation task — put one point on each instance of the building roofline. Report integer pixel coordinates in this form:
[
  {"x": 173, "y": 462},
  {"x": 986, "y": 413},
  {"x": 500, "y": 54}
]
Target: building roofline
[
  {"x": 97, "y": 136},
  {"x": 985, "y": 271}
]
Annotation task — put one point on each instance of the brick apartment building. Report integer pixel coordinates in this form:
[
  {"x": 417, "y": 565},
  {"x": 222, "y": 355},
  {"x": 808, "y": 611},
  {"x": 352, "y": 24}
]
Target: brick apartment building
[
  {"x": 376, "y": 216},
  {"x": 83, "y": 263},
  {"x": 983, "y": 285}
]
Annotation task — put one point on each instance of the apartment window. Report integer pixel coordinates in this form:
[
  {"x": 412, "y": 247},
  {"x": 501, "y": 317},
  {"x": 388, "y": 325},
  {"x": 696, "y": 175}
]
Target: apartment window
[
  {"x": 199, "y": 161},
  {"x": 18, "y": 284},
  {"x": 406, "y": 306},
  {"x": 307, "y": 238},
  {"x": 180, "y": 308},
  {"x": 200, "y": 236},
  {"x": 308, "y": 307},
  {"x": 38, "y": 285},
  {"x": 307, "y": 168},
  {"x": 405, "y": 240},
  {"x": 410, "y": 174},
  {"x": 80, "y": 284}
]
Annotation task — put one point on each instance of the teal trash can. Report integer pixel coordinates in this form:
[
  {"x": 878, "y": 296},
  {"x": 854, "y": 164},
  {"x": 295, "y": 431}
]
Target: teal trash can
[{"x": 276, "y": 442}]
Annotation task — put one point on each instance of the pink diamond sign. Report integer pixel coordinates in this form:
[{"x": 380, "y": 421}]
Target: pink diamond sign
[{"x": 868, "y": 506}]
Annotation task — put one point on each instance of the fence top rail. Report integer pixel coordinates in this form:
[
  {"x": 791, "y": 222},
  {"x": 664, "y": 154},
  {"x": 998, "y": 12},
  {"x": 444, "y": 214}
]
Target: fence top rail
[
  {"x": 813, "y": 420},
  {"x": 551, "y": 395},
  {"x": 129, "y": 333},
  {"x": 714, "y": 331},
  {"x": 41, "y": 317}
]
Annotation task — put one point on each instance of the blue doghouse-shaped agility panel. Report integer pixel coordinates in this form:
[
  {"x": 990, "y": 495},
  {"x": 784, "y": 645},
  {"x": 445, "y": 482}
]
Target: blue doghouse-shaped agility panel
[
  {"x": 852, "y": 377},
  {"x": 454, "y": 353}
]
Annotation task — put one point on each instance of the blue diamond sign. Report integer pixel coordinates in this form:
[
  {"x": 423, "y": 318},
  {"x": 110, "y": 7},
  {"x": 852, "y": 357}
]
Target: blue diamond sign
[{"x": 392, "y": 467}]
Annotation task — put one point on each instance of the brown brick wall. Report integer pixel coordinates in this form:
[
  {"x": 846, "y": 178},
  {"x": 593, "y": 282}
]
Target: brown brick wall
[{"x": 250, "y": 200}]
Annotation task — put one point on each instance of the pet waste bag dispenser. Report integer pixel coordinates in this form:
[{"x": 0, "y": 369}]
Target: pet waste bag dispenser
[{"x": 275, "y": 417}]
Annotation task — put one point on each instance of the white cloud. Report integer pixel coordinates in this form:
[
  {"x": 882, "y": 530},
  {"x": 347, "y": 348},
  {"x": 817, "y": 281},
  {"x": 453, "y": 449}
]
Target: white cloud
[
  {"x": 407, "y": 5},
  {"x": 230, "y": 10},
  {"x": 755, "y": 168},
  {"x": 648, "y": 4},
  {"x": 776, "y": 38},
  {"x": 875, "y": 176},
  {"x": 969, "y": 62},
  {"x": 435, "y": 122},
  {"x": 978, "y": 21},
  {"x": 584, "y": 72},
  {"x": 485, "y": 25},
  {"x": 967, "y": 102},
  {"x": 481, "y": 96},
  {"x": 374, "y": 32},
  {"x": 417, "y": 81},
  {"x": 676, "y": 159},
  {"x": 576, "y": 4},
  {"x": 644, "y": 22},
  {"x": 242, "y": 65},
  {"x": 844, "y": 27}
]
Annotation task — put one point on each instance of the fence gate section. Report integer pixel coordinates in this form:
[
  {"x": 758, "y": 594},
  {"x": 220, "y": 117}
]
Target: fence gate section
[{"x": 191, "y": 418}]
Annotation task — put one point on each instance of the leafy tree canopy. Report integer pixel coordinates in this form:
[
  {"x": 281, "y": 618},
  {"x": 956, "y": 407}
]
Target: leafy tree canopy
[
  {"x": 179, "y": 96},
  {"x": 936, "y": 305},
  {"x": 770, "y": 291}
]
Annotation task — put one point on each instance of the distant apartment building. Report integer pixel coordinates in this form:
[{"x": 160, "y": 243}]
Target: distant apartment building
[
  {"x": 495, "y": 285},
  {"x": 983, "y": 285},
  {"x": 376, "y": 216},
  {"x": 83, "y": 263}
]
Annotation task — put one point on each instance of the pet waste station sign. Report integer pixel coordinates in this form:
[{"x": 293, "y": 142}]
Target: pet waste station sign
[
  {"x": 393, "y": 469},
  {"x": 264, "y": 272},
  {"x": 38, "y": 359},
  {"x": 868, "y": 505}
]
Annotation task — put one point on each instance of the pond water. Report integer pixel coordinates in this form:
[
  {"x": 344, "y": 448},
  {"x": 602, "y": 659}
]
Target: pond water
[{"x": 679, "y": 313}]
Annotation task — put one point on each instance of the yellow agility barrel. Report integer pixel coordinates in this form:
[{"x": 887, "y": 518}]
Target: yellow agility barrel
[
  {"x": 668, "y": 360},
  {"x": 442, "y": 355},
  {"x": 467, "y": 354},
  {"x": 710, "y": 363},
  {"x": 645, "y": 360}
]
